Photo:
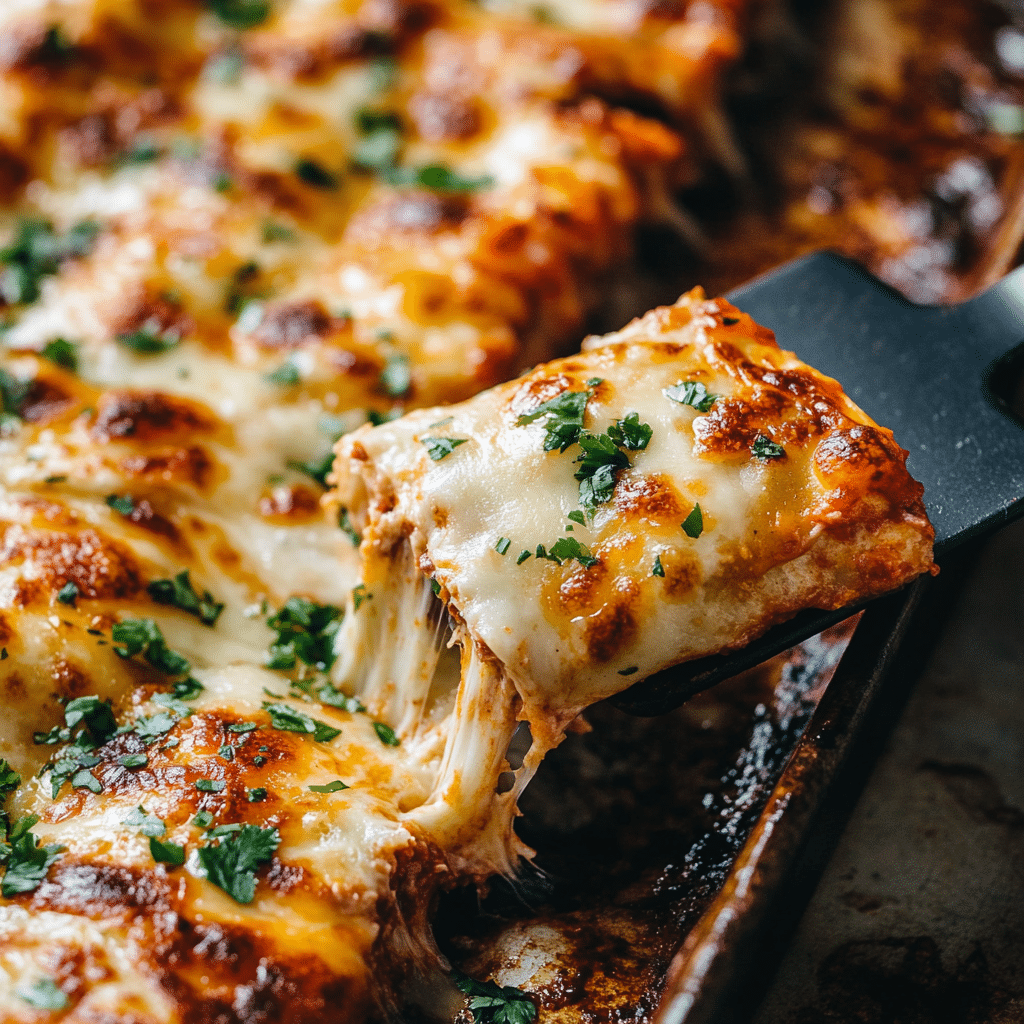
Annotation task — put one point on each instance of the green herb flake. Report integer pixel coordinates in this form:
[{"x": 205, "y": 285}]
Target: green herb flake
[
  {"x": 692, "y": 393},
  {"x": 564, "y": 419},
  {"x": 148, "y": 343},
  {"x": 436, "y": 177},
  {"x": 27, "y": 862},
  {"x": 631, "y": 671},
  {"x": 231, "y": 864},
  {"x": 599, "y": 466},
  {"x": 43, "y": 994},
  {"x": 37, "y": 251},
  {"x": 204, "y": 819},
  {"x": 631, "y": 433},
  {"x": 180, "y": 593},
  {"x": 441, "y": 447},
  {"x": 133, "y": 760},
  {"x": 360, "y": 595},
  {"x": 331, "y": 787},
  {"x": 335, "y": 698},
  {"x": 143, "y": 636},
  {"x": 274, "y": 232},
  {"x": 730, "y": 321},
  {"x": 315, "y": 468},
  {"x": 210, "y": 785},
  {"x": 345, "y": 524},
  {"x": 577, "y": 517},
  {"x": 396, "y": 377},
  {"x": 435, "y": 587},
  {"x": 286, "y": 375},
  {"x": 10, "y": 780},
  {"x": 123, "y": 504},
  {"x": 61, "y": 352},
  {"x": 565, "y": 549},
  {"x": 305, "y": 632},
  {"x": 240, "y": 14},
  {"x": 765, "y": 448},
  {"x": 386, "y": 734},
  {"x": 166, "y": 853},
  {"x": 693, "y": 524},
  {"x": 148, "y": 824},
  {"x": 68, "y": 594},
  {"x": 287, "y": 719},
  {"x": 256, "y": 795},
  {"x": 523, "y": 556},
  {"x": 494, "y": 1004},
  {"x": 503, "y": 545},
  {"x": 242, "y": 727},
  {"x": 227, "y": 752},
  {"x": 315, "y": 174},
  {"x": 659, "y": 569},
  {"x": 150, "y": 729}
]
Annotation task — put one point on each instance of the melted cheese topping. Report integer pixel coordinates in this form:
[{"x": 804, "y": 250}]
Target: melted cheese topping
[{"x": 828, "y": 516}]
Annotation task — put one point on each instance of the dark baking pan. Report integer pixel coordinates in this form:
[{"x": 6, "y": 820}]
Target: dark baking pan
[{"x": 941, "y": 377}]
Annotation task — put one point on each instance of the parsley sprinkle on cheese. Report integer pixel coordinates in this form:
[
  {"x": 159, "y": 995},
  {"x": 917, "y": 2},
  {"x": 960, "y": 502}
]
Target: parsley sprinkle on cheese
[
  {"x": 166, "y": 853},
  {"x": 331, "y": 787},
  {"x": 180, "y": 593},
  {"x": 440, "y": 447},
  {"x": 232, "y": 859},
  {"x": 765, "y": 448},
  {"x": 693, "y": 524},
  {"x": 692, "y": 393}
]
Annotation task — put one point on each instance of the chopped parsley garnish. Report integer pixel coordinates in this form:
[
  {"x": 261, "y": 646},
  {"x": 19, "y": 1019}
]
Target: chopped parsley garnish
[
  {"x": 240, "y": 14},
  {"x": 599, "y": 465},
  {"x": 315, "y": 174},
  {"x": 256, "y": 795},
  {"x": 68, "y": 594},
  {"x": 502, "y": 546},
  {"x": 204, "y": 819},
  {"x": 386, "y": 734},
  {"x": 61, "y": 352},
  {"x": 148, "y": 824},
  {"x": 305, "y": 631},
  {"x": 692, "y": 393},
  {"x": 133, "y": 760},
  {"x": 149, "y": 343},
  {"x": 180, "y": 593},
  {"x": 729, "y": 321},
  {"x": 577, "y": 517},
  {"x": 286, "y": 375},
  {"x": 565, "y": 549},
  {"x": 143, "y": 636},
  {"x": 327, "y": 694},
  {"x": 331, "y": 787},
  {"x": 436, "y": 177},
  {"x": 94, "y": 715},
  {"x": 210, "y": 785},
  {"x": 315, "y": 468},
  {"x": 396, "y": 377},
  {"x": 659, "y": 569},
  {"x": 14, "y": 391},
  {"x": 765, "y": 448},
  {"x": 381, "y": 140},
  {"x": 35, "y": 252},
  {"x": 123, "y": 504},
  {"x": 274, "y": 232},
  {"x": 631, "y": 671},
  {"x": 494, "y": 1004},
  {"x": 693, "y": 524},
  {"x": 142, "y": 151},
  {"x": 10, "y": 780},
  {"x": 27, "y": 861},
  {"x": 360, "y": 595},
  {"x": 227, "y": 752},
  {"x": 523, "y": 556},
  {"x": 242, "y": 727},
  {"x": 287, "y": 719},
  {"x": 43, "y": 994},
  {"x": 97, "y": 725},
  {"x": 231, "y": 864},
  {"x": 435, "y": 587},
  {"x": 151, "y": 728},
  {"x": 348, "y": 529},
  {"x": 564, "y": 419},
  {"x": 631, "y": 433},
  {"x": 440, "y": 447},
  {"x": 166, "y": 853}
]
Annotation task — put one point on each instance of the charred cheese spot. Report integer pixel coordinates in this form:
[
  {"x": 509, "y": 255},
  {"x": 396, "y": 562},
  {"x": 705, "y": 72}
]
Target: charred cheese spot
[
  {"x": 293, "y": 325},
  {"x": 192, "y": 465},
  {"x": 289, "y": 504},
  {"x": 147, "y": 416},
  {"x": 616, "y": 624},
  {"x": 100, "y": 567},
  {"x": 654, "y": 497},
  {"x": 47, "y": 401}
]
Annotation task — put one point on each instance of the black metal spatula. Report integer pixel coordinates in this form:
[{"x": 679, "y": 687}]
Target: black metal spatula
[{"x": 941, "y": 377}]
